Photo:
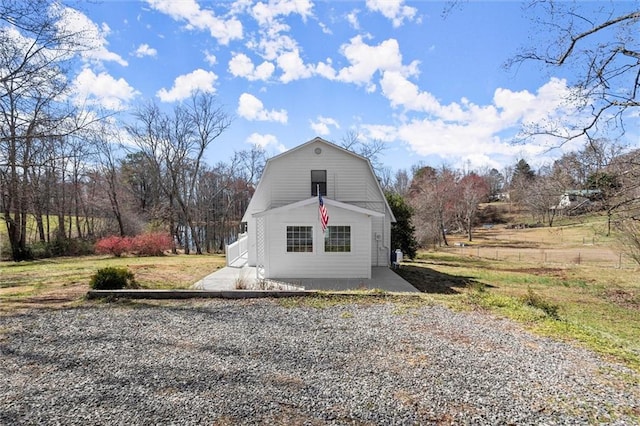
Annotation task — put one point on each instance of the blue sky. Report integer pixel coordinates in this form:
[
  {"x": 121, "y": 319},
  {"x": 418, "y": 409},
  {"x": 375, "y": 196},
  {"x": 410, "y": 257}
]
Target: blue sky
[{"x": 430, "y": 85}]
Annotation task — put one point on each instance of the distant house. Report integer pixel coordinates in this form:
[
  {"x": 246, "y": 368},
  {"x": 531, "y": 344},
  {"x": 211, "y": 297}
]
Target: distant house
[
  {"x": 577, "y": 199},
  {"x": 285, "y": 232}
]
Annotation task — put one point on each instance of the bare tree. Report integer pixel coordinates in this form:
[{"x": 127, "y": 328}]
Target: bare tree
[
  {"x": 251, "y": 162},
  {"x": 110, "y": 176},
  {"x": 543, "y": 198},
  {"x": 600, "y": 43},
  {"x": 175, "y": 145},
  {"x": 34, "y": 51},
  {"x": 372, "y": 150},
  {"x": 471, "y": 190},
  {"x": 401, "y": 182},
  {"x": 432, "y": 196}
]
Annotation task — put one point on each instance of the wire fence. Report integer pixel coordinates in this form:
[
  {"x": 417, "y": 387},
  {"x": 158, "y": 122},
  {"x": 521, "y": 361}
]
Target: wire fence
[{"x": 589, "y": 255}]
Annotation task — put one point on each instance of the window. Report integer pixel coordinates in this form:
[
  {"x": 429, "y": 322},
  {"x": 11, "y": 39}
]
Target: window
[
  {"x": 299, "y": 239},
  {"x": 318, "y": 180},
  {"x": 337, "y": 239}
]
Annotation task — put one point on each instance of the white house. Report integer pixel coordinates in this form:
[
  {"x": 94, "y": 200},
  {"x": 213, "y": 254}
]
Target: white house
[
  {"x": 285, "y": 234},
  {"x": 577, "y": 198}
]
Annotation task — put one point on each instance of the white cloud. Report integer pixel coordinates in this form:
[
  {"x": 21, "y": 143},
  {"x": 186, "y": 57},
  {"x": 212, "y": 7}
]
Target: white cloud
[
  {"x": 367, "y": 60},
  {"x": 266, "y": 13},
  {"x": 210, "y": 58},
  {"x": 470, "y": 132},
  {"x": 145, "y": 50},
  {"x": 266, "y": 141},
  {"x": 381, "y": 132},
  {"x": 394, "y": 10},
  {"x": 185, "y": 85},
  {"x": 240, "y": 65},
  {"x": 272, "y": 44},
  {"x": 252, "y": 109},
  {"x": 102, "y": 90},
  {"x": 293, "y": 67},
  {"x": 224, "y": 30},
  {"x": 325, "y": 29},
  {"x": 352, "y": 18},
  {"x": 325, "y": 70},
  {"x": 402, "y": 92},
  {"x": 321, "y": 125},
  {"x": 93, "y": 37}
]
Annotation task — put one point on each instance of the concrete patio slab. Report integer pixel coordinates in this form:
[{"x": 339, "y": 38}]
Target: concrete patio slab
[{"x": 382, "y": 278}]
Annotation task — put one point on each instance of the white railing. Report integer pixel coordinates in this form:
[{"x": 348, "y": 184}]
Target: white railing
[{"x": 238, "y": 249}]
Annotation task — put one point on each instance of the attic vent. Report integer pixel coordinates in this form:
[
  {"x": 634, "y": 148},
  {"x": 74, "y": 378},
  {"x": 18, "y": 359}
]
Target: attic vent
[{"x": 318, "y": 150}]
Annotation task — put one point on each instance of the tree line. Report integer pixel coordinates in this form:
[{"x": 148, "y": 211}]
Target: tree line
[
  {"x": 443, "y": 200},
  {"x": 71, "y": 173}
]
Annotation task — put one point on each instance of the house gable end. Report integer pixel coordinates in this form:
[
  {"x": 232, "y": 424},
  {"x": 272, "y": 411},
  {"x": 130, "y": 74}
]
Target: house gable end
[{"x": 286, "y": 178}]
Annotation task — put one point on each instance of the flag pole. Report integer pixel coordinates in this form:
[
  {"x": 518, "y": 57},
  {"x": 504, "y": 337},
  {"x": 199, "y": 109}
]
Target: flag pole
[{"x": 318, "y": 193}]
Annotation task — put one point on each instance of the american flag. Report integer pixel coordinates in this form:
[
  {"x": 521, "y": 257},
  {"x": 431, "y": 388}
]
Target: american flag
[{"x": 324, "y": 216}]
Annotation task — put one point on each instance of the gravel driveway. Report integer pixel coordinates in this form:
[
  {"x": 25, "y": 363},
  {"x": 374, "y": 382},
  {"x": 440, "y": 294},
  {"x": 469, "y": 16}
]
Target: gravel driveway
[{"x": 262, "y": 361}]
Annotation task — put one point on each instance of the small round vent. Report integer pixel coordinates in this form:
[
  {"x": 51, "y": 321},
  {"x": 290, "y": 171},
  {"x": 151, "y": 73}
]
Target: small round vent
[{"x": 318, "y": 150}]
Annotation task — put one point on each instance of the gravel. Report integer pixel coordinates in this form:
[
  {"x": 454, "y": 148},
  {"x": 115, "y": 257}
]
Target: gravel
[{"x": 267, "y": 362}]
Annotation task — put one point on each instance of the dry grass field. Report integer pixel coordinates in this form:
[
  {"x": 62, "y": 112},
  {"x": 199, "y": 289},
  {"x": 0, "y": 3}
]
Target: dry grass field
[
  {"x": 572, "y": 242},
  {"x": 65, "y": 281}
]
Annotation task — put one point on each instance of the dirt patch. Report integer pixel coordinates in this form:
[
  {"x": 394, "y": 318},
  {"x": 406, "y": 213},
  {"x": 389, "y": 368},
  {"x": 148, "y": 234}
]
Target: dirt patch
[
  {"x": 58, "y": 297},
  {"x": 542, "y": 272},
  {"x": 623, "y": 298}
]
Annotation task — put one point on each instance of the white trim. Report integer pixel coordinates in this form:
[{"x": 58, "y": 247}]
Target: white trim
[{"x": 327, "y": 201}]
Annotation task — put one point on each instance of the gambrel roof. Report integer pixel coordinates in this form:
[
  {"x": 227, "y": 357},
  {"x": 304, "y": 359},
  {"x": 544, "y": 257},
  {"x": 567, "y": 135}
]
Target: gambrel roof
[{"x": 251, "y": 207}]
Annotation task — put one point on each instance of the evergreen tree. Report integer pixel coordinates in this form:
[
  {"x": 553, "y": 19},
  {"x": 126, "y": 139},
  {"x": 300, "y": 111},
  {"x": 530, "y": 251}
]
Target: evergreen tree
[{"x": 402, "y": 232}]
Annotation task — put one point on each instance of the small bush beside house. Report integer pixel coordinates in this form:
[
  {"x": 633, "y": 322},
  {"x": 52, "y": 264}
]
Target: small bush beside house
[{"x": 111, "y": 278}]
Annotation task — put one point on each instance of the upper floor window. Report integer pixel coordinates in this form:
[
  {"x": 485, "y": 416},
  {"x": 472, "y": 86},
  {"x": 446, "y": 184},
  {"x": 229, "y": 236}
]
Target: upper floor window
[{"x": 318, "y": 180}]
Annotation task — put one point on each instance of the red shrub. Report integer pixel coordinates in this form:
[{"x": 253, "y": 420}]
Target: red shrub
[
  {"x": 152, "y": 244},
  {"x": 114, "y": 245}
]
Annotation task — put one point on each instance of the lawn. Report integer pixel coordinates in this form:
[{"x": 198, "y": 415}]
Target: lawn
[
  {"x": 65, "y": 281},
  {"x": 566, "y": 282},
  {"x": 577, "y": 292}
]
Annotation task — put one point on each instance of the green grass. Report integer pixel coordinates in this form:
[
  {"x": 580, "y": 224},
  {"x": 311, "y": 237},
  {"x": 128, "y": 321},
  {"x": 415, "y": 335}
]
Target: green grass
[{"x": 598, "y": 308}]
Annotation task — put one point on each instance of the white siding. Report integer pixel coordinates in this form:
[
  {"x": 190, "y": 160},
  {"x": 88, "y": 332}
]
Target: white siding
[
  {"x": 318, "y": 264},
  {"x": 287, "y": 179}
]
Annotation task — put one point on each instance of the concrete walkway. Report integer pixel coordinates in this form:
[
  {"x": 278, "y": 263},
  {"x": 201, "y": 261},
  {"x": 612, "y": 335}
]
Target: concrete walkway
[{"x": 382, "y": 278}]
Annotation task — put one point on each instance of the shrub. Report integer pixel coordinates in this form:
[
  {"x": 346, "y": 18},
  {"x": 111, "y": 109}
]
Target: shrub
[
  {"x": 114, "y": 245},
  {"x": 71, "y": 247},
  {"x": 111, "y": 278},
  {"x": 151, "y": 244},
  {"x": 537, "y": 301}
]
